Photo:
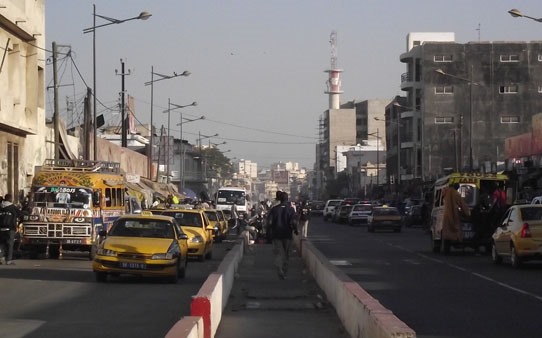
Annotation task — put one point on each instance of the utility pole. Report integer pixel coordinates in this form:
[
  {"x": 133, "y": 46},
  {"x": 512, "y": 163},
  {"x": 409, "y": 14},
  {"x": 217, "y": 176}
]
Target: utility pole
[
  {"x": 124, "y": 124},
  {"x": 88, "y": 123},
  {"x": 56, "y": 118}
]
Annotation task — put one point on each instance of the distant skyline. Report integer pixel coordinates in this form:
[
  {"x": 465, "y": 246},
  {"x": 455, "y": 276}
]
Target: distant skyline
[{"x": 257, "y": 67}]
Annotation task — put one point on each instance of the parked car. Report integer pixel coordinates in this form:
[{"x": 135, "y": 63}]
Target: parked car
[
  {"x": 329, "y": 208},
  {"x": 413, "y": 216},
  {"x": 384, "y": 217},
  {"x": 359, "y": 214},
  {"x": 196, "y": 225},
  {"x": 218, "y": 223},
  {"x": 344, "y": 212},
  {"x": 518, "y": 235},
  {"x": 317, "y": 207},
  {"x": 347, "y": 201},
  {"x": 409, "y": 203},
  {"x": 146, "y": 245}
]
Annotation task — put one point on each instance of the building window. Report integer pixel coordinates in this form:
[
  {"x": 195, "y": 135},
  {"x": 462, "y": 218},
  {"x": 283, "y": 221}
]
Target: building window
[
  {"x": 512, "y": 89},
  {"x": 540, "y": 89},
  {"x": 540, "y": 57},
  {"x": 510, "y": 119},
  {"x": 510, "y": 58},
  {"x": 443, "y": 58},
  {"x": 444, "y": 120},
  {"x": 444, "y": 90}
]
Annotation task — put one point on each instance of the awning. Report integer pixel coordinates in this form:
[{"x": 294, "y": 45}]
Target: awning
[
  {"x": 189, "y": 193},
  {"x": 134, "y": 190}
]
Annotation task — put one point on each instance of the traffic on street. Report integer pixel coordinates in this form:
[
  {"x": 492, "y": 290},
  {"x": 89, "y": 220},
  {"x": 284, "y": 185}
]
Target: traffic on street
[{"x": 460, "y": 294}]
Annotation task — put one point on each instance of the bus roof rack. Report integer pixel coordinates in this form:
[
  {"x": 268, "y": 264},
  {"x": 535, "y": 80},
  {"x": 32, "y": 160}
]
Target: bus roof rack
[{"x": 81, "y": 166}]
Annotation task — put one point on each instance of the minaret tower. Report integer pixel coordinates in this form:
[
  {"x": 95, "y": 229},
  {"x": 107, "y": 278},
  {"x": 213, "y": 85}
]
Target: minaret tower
[{"x": 334, "y": 81}]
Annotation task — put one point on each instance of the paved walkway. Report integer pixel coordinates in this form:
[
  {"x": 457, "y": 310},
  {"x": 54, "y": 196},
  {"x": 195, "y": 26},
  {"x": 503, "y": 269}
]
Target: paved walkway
[{"x": 262, "y": 305}]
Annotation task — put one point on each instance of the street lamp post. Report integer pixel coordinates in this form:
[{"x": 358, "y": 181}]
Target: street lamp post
[
  {"x": 183, "y": 121},
  {"x": 516, "y": 13},
  {"x": 471, "y": 83},
  {"x": 151, "y": 83},
  {"x": 377, "y": 156},
  {"x": 168, "y": 111},
  {"x": 111, "y": 21}
]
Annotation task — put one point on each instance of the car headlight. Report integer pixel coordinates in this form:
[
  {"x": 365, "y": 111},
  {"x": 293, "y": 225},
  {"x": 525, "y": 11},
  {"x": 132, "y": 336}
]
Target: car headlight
[
  {"x": 196, "y": 239},
  {"x": 106, "y": 252},
  {"x": 170, "y": 254},
  {"x": 163, "y": 256}
]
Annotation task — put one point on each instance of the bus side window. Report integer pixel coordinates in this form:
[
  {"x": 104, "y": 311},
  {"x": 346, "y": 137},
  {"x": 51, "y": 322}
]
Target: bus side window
[
  {"x": 96, "y": 197},
  {"x": 108, "y": 197},
  {"x": 437, "y": 201},
  {"x": 119, "y": 200}
]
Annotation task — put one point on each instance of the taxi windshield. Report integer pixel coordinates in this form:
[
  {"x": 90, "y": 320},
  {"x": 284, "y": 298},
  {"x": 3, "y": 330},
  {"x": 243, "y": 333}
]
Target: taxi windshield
[
  {"x": 142, "y": 228},
  {"x": 192, "y": 219}
]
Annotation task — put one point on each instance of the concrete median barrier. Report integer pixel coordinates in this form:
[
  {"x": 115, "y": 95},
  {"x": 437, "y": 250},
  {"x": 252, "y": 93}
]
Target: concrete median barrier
[
  {"x": 187, "y": 327},
  {"x": 207, "y": 305},
  {"x": 361, "y": 314}
]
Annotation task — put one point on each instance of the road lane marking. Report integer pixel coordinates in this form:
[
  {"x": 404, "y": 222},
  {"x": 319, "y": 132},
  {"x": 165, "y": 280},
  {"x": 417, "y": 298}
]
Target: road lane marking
[{"x": 457, "y": 267}]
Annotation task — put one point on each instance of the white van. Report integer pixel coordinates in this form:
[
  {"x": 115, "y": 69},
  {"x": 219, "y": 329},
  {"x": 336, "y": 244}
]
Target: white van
[{"x": 329, "y": 208}]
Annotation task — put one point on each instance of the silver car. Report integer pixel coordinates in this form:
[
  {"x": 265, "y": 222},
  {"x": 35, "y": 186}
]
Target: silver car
[{"x": 359, "y": 214}]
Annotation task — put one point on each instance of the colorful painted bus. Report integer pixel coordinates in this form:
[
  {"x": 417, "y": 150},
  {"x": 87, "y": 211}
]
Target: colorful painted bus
[{"x": 70, "y": 202}]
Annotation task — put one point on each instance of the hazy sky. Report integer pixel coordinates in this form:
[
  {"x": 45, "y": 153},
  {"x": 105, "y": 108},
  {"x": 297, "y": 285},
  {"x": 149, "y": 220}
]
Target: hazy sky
[{"x": 257, "y": 67}]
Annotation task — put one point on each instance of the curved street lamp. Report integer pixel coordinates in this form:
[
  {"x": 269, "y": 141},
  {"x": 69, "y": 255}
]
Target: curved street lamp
[
  {"x": 142, "y": 16},
  {"x": 183, "y": 121},
  {"x": 151, "y": 83},
  {"x": 168, "y": 147},
  {"x": 516, "y": 13}
]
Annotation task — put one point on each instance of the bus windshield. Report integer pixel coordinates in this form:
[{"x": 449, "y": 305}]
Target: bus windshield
[
  {"x": 230, "y": 197},
  {"x": 68, "y": 197}
]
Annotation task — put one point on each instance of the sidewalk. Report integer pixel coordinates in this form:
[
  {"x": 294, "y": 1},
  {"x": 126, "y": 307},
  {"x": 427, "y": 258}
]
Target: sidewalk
[{"x": 262, "y": 305}]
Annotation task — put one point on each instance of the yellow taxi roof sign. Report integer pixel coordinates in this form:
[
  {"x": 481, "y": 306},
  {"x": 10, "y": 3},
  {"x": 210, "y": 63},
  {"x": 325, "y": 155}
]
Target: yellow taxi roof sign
[{"x": 146, "y": 213}]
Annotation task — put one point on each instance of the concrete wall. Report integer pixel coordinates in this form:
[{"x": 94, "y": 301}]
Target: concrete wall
[{"x": 130, "y": 161}]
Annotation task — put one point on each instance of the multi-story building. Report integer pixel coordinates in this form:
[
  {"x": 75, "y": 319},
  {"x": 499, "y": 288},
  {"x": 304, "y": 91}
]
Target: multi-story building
[
  {"x": 22, "y": 91},
  {"x": 462, "y": 102}
]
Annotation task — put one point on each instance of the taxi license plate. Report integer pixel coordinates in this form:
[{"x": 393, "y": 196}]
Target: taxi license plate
[
  {"x": 134, "y": 266},
  {"x": 73, "y": 241}
]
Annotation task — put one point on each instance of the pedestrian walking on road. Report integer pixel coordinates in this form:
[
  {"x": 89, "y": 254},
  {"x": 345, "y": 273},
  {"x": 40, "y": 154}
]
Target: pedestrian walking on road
[
  {"x": 9, "y": 218},
  {"x": 454, "y": 208},
  {"x": 283, "y": 222},
  {"x": 304, "y": 213}
]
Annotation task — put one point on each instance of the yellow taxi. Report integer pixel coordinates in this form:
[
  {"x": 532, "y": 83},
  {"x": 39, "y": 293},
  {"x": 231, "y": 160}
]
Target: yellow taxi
[
  {"x": 219, "y": 222},
  {"x": 384, "y": 217},
  {"x": 196, "y": 225},
  {"x": 143, "y": 244},
  {"x": 518, "y": 236}
]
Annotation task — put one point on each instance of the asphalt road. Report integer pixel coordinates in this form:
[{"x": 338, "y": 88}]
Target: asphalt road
[
  {"x": 459, "y": 295},
  {"x": 60, "y": 298}
]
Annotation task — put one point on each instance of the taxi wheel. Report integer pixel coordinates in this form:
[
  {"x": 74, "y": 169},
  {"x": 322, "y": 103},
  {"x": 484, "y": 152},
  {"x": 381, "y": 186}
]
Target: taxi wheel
[
  {"x": 497, "y": 259},
  {"x": 92, "y": 252},
  {"x": 101, "y": 277},
  {"x": 182, "y": 271},
  {"x": 514, "y": 258},
  {"x": 173, "y": 279}
]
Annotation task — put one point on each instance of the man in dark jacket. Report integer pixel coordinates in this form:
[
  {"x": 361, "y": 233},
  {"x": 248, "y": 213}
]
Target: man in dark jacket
[
  {"x": 282, "y": 220},
  {"x": 9, "y": 217}
]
